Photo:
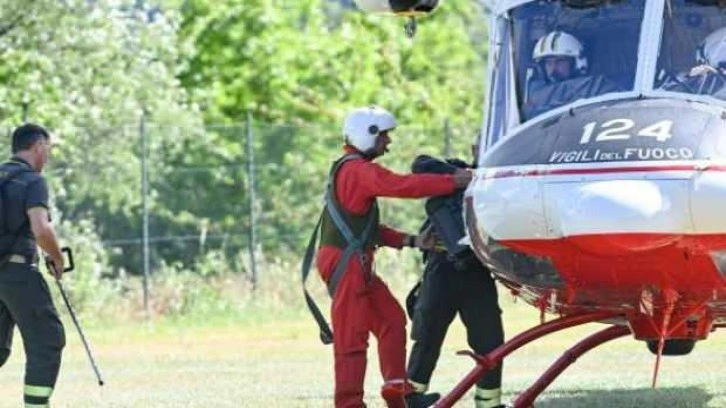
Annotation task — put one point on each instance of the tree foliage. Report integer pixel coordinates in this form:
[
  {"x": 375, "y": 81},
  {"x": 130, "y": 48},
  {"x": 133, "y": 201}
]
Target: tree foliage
[
  {"x": 302, "y": 62},
  {"x": 306, "y": 63},
  {"x": 90, "y": 70}
]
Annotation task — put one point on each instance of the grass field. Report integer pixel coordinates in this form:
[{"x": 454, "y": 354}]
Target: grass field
[{"x": 282, "y": 364}]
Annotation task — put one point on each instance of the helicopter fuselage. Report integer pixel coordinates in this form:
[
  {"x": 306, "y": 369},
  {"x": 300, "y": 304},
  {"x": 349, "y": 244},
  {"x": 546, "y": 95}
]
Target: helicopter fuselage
[{"x": 605, "y": 207}]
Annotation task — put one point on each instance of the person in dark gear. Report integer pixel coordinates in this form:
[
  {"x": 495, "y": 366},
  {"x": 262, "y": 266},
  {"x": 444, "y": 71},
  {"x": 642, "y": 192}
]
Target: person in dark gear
[
  {"x": 562, "y": 72},
  {"x": 454, "y": 281},
  {"x": 708, "y": 76},
  {"x": 25, "y": 299}
]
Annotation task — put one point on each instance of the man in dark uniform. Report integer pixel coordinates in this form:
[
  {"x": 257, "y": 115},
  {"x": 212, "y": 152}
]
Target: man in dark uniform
[
  {"x": 25, "y": 300},
  {"x": 454, "y": 281}
]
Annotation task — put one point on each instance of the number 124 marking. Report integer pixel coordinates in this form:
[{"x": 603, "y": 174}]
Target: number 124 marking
[{"x": 618, "y": 129}]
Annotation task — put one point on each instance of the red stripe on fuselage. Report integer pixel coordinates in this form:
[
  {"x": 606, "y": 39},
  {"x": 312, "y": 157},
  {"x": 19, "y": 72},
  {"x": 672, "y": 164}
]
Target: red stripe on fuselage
[{"x": 602, "y": 170}]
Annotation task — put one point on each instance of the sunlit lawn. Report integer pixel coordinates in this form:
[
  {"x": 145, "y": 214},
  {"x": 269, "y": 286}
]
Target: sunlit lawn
[{"x": 282, "y": 364}]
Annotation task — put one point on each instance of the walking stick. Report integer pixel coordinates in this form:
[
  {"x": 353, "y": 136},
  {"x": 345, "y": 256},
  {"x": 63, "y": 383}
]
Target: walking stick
[{"x": 70, "y": 267}]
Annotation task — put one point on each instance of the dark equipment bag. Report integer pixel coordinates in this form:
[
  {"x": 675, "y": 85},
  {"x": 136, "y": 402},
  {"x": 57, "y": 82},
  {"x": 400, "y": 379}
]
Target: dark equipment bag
[
  {"x": 446, "y": 212},
  {"x": 8, "y": 238}
]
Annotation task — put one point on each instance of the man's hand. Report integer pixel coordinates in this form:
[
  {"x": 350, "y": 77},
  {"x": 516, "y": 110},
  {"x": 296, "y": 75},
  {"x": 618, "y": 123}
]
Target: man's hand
[
  {"x": 462, "y": 177},
  {"x": 700, "y": 70},
  {"x": 425, "y": 239},
  {"x": 55, "y": 266},
  {"x": 47, "y": 241}
]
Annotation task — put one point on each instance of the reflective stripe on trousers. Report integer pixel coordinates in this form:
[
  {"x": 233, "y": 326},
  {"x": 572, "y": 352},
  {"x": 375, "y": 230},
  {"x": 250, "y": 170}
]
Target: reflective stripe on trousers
[{"x": 36, "y": 396}]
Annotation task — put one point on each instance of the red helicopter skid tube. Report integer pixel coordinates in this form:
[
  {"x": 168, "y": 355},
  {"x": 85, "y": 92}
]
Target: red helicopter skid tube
[
  {"x": 489, "y": 361},
  {"x": 526, "y": 399}
]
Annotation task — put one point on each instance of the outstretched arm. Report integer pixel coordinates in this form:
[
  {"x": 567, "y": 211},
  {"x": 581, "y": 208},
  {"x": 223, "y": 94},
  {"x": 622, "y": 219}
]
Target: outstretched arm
[
  {"x": 397, "y": 239},
  {"x": 377, "y": 181}
]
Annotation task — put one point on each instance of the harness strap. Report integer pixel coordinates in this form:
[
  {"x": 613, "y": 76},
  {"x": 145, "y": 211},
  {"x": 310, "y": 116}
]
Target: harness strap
[
  {"x": 354, "y": 245},
  {"x": 326, "y": 334}
]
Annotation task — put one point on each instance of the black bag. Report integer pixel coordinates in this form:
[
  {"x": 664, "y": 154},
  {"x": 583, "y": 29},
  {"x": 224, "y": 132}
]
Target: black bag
[
  {"x": 8, "y": 237},
  {"x": 446, "y": 212}
]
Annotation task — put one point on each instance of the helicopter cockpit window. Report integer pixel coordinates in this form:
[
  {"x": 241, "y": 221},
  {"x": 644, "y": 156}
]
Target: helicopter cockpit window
[
  {"x": 571, "y": 50},
  {"x": 692, "y": 56}
]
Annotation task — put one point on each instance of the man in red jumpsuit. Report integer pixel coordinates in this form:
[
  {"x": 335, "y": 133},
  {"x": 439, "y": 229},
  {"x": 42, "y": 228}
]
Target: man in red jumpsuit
[{"x": 362, "y": 302}]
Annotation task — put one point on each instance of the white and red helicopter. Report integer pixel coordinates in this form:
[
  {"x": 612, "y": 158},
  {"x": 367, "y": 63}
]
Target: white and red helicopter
[{"x": 602, "y": 198}]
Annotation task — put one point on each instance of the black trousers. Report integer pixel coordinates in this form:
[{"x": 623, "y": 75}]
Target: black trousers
[
  {"x": 446, "y": 291},
  {"x": 25, "y": 301}
]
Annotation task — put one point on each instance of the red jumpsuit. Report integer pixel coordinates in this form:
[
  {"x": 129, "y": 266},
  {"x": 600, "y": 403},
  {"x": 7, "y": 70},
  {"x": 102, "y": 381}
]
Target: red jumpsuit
[{"x": 362, "y": 302}]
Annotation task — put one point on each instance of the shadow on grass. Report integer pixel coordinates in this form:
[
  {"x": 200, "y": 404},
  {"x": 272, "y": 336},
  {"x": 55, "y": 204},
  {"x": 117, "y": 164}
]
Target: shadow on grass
[{"x": 683, "y": 397}]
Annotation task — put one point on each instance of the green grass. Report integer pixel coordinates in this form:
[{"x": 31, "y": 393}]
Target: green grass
[{"x": 239, "y": 362}]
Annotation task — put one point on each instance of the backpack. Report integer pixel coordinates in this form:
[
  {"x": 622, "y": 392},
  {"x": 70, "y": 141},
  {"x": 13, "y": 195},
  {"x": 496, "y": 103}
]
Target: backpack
[
  {"x": 446, "y": 212},
  {"x": 5, "y": 231}
]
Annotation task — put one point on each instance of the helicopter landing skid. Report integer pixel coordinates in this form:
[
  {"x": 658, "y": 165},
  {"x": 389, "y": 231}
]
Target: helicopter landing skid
[
  {"x": 526, "y": 399},
  {"x": 495, "y": 357}
]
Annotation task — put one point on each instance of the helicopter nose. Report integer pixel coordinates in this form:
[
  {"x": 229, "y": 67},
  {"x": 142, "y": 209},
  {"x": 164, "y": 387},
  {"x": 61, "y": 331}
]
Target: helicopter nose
[{"x": 618, "y": 216}]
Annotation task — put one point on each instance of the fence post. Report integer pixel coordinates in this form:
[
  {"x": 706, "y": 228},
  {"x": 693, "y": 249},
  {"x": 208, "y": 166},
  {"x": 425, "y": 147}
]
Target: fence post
[
  {"x": 252, "y": 241},
  {"x": 447, "y": 138},
  {"x": 145, "y": 209},
  {"x": 24, "y": 110}
]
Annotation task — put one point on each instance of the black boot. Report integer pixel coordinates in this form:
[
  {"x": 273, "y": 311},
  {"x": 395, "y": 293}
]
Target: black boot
[{"x": 421, "y": 400}]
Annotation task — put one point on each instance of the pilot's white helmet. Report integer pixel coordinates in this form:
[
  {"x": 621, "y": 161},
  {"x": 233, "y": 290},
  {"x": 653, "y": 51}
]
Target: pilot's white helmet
[
  {"x": 363, "y": 125},
  {"x": 561, "y": 44},
  {"x": 712, "y": 50}
]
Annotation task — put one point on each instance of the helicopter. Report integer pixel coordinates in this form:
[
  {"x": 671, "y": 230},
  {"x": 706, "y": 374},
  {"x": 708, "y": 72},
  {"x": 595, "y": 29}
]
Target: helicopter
[{"x": 597, "y": 196}]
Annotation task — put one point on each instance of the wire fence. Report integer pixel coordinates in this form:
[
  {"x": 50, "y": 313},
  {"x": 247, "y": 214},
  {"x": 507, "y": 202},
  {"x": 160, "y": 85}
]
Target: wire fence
[{"x": 160, "y": 195}]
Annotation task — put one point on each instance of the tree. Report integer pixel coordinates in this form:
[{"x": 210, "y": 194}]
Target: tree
[
  {"x": 88, "y": 70},
  {"x": 306, "y": 63}
]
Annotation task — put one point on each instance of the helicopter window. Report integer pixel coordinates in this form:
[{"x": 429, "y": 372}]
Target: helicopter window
[
  {"x": 500, "y": 115},
  {"x": 692, "y": 55},
  {"x": 571, "y": 50}
]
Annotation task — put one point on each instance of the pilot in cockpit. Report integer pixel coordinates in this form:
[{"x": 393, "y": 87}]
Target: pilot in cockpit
[
  {"x": 708, "y": 77},
  {"x": 560, "y": 56},
  {"x": 560, "y": 75}
]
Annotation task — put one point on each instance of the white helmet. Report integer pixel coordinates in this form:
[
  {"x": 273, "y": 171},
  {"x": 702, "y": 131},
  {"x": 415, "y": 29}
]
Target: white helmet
[
  {"x": 561, "y": 44},
  {"x": 712, "y": 50},
  {"x": 363, "y": 125}
]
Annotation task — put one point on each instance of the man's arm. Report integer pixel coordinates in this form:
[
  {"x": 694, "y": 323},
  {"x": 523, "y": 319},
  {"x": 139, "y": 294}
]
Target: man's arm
[
  {"x": 377, "y": 181},
  {"x": 397, "y": 239},
  {"x": 36, "y": 206},
  {"x": 45, "y": 236},
  {"x": 392, "y": 237}
]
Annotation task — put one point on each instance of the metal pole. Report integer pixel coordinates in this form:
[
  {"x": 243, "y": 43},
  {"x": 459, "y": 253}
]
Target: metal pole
[
  {"x": 447, "y": 138},
  {"x": 252, "y": 244},
  {"x": 24, "y": 113},
  {"x": 145, "y": 207},
  {"x": 80, "y": 333}
]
